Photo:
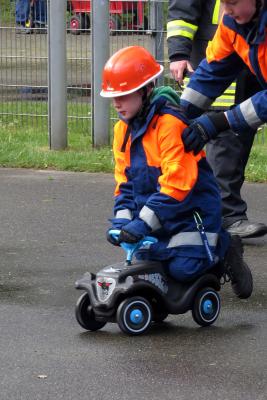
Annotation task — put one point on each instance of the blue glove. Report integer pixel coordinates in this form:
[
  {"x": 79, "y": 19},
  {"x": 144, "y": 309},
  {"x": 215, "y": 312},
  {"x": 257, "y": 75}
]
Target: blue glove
[
  {"x": 202, "y": 130},
  {"x": 118, "y": 223},
  {"x": 134, "y": 231}
]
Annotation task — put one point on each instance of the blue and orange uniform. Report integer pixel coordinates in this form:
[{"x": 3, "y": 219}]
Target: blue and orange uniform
[{"x": 160, "y": 186}]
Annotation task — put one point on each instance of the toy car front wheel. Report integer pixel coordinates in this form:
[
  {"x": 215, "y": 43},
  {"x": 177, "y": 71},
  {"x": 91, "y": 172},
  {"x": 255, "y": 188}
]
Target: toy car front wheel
[
  {"x": 85, "y": 315},
  {"x": 134, "y": 315},
  {"x": 206, "y": 307}
]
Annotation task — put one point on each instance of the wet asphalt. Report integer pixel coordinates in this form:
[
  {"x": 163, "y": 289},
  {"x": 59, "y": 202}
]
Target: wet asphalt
[{"x": 52, "y": 230}]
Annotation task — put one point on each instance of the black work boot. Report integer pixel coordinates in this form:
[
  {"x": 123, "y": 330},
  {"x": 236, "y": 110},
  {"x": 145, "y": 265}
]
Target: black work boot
[
  {"x": 247, "y": 229},
  {"x": 237, "y": 270}
]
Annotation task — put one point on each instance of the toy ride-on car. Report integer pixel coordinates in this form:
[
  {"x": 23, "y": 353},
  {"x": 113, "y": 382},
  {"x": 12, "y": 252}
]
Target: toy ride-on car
[{"x": 136, "y": 293}]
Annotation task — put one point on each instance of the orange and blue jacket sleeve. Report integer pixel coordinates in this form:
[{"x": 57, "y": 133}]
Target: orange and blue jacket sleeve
[
  {"x": 123, "y": 191},
  {"x": 179, "y": 169},
  {"x": 213, "y": 75}
]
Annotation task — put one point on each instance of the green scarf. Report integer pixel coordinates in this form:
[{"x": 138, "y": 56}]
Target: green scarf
[{"x": 167, "y": 92}]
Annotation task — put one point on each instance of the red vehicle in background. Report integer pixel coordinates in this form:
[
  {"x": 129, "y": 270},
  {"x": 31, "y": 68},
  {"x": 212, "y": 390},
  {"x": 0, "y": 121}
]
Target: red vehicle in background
[{"x": 123, "y": 15}]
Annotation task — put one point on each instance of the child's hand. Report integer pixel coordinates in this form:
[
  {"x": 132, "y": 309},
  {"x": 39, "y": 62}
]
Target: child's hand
[
  {"x": 128, "y": 237},
  {"x": 134, "y": 231}
]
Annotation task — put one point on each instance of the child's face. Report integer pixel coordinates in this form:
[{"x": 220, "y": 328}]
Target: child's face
[
  {"x": 128, "y": 106},
  {"x": 241, "y": 10}
]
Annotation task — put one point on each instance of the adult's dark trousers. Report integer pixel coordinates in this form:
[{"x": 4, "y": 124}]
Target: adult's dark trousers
[{"x": 228, "y": 154}]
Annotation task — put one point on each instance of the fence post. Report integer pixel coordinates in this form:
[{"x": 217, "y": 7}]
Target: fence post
[
  {"x": 57, "y": 76},
  {"x": 100, "y": 54},
  {"x": 157, "y": 25}
]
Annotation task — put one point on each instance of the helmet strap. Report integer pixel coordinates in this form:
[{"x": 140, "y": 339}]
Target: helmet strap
[{"x": 146, "y": 99}]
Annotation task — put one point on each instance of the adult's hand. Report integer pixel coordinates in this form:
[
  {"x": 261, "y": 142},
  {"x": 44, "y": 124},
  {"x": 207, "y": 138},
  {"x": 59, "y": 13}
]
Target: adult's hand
[{"x": 178, "y": 70}]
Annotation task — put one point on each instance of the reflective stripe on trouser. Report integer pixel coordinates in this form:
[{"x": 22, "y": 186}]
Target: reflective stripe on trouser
[{"x": 192, "y": 239}]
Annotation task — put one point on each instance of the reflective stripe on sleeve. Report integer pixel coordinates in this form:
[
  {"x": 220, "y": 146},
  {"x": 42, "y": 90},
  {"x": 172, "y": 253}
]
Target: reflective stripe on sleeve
[
  {"x": 192, "y": 239},
  {"x": 223, "y": 102},
  {"x": 196, "y": 98},
  {"x": 150, "y": 218},
  {"x": 179, "y": 27},
  {"x": 127, "y": 214},
  {"x": 248, "y": 111}
]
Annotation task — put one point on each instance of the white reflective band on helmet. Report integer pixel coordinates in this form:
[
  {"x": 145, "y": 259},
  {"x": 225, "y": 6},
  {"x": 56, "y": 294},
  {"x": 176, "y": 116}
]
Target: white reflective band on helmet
[
  {"x": 192, "y": 239},
  {"x": 196, "y": 98},
  {"x": 126, "y": 214},
  {"x": 113, "y": 93},
  {"x": 150, "y": 218},
  {"x": 249, "y": 114}
]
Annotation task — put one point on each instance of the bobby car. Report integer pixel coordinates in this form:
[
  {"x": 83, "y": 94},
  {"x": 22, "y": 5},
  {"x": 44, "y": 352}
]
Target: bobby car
[{"x": 136, "y": 293}]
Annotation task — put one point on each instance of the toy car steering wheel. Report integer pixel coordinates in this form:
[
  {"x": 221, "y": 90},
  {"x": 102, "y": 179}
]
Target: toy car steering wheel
[{"x": 131, "y": 248}]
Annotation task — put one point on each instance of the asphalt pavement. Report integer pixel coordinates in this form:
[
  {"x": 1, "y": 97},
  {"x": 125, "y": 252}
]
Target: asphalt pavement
[{"x": 52, "y": 230}]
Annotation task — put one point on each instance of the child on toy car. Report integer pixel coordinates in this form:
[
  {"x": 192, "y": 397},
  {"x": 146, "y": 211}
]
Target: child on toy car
[{"x": 160, "y": 189}]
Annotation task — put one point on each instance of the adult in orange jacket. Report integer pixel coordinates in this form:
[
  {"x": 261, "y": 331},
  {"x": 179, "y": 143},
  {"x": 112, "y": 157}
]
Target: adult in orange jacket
[
  {"x": 241, "y": 38},
  {"x": 191, "y": 25}
]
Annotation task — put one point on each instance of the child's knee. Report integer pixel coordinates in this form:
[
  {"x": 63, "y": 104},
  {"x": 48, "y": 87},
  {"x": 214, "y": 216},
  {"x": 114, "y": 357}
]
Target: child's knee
[{"x": 185, "y": 269}]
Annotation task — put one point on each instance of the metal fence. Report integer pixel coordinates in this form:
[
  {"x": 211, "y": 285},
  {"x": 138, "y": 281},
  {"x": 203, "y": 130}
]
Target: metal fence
[{"x": 24, "y": 56}]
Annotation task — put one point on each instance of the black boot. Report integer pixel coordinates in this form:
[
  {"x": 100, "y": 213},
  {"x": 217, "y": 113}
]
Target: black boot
[{"x": 237, "y": 270}]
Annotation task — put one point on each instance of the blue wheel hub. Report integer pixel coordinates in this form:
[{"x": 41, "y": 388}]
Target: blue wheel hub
[
  {"x": 136, "y": 316},
  {"x": 207, "y": 307}
]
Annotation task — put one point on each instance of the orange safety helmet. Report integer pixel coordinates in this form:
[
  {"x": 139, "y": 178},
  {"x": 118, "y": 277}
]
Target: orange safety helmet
[{"x": 128, "y": 70}]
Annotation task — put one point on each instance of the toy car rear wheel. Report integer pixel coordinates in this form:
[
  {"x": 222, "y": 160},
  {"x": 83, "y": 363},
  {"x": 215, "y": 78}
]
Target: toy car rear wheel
[
  {"x": 134, "y": 315},
  {"x": 85, "y": 315},
  {"x": 206, "y": 307}
]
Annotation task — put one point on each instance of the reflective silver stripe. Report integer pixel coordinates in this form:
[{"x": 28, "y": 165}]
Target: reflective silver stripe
[
  {"x": 150, "y": 218},
  {"x": 250, "y": 114},
  {"x": 192, "y": 239},
  {"x": 196, "y": 98},
  {"x": 226, "y": 100},
  {"x": 127, "y": 214}
]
